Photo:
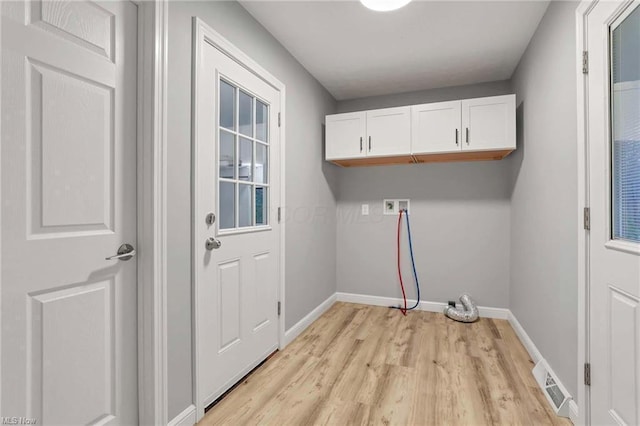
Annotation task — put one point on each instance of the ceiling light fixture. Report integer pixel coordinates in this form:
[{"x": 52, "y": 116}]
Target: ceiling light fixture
[{"x": 384, "y": 5}]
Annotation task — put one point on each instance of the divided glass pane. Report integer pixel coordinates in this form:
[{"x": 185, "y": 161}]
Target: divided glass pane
[
  {"x": 246, "y": 114},
  {"x": 227, "y": 105},
  {"x": 261, "y": 205},
  {"x": 261, "y": 173},
  {"x": 227, "y": 205},
  {"x": 262, "y": 121},
  {"x": 245, "y": 165},
  {"x": 227, "y": 155},
  {"x": 245, "y": 210},
  {"x": 625, "y": 125}
]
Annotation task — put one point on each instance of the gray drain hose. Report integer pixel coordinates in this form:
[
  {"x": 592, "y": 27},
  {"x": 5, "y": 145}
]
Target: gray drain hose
[{"x": 469, "y": 313}]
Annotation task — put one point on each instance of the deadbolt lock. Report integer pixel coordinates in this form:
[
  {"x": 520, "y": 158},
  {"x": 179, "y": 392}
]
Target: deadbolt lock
[{"x": 211, "y": 219}]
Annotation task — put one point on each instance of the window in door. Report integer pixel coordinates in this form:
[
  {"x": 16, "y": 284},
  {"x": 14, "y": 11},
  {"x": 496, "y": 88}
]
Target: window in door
[
  {"x": 625, "y": 128},
  {"x": 243, "y": 152}
]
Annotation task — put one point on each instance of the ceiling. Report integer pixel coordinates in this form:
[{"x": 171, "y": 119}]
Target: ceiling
[{"x": 355, "y": 52}]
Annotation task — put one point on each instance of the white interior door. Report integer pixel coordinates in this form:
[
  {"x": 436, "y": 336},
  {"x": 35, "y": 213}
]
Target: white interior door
[
  {"x": 238, "y": 255},
  {"x": 435, "y": 127},
  {"x": 69, "y": 333},
  {"x": 388, "y": 132},
  {"x": 614, "y": 240},
  {"x": 489, "y": 123}
]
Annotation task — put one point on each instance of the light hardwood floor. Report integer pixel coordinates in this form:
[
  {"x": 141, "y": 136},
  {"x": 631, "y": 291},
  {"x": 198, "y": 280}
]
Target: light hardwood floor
[{"x": 361, "y": 364}]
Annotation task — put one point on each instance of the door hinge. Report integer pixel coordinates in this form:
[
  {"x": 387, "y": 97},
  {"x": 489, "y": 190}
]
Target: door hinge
[
  {"x": 587, "y": 374},
  {"x": 587, "y": 218},
  {"x": 585, "y": 62},
  {"x": 279, "y": 307},
  {"x": 279, "y": 214},
  {"x": 279, "y": 120}
]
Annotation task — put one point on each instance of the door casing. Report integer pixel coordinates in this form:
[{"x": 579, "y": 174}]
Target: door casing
[
  {"x": 151, "y": 184},
  {"x": 583, "y": 199},
  {"x": 203, "y": 33}
]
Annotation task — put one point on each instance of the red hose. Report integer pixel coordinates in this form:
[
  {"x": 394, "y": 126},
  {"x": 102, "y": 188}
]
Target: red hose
[{"x": 404, "y": 296}]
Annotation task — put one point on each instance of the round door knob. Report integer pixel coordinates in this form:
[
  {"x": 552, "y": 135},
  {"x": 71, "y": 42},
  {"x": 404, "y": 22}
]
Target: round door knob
[{"x": 212, "y": 243}]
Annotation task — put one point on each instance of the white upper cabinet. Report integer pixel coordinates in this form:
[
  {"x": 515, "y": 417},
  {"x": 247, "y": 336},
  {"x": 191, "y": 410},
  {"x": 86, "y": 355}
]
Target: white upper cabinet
[
  {"x": 389, "y": 132},
  {"x": 436, "y": 127},
  {"x": 489, "y": 123},
  {"x": 345, "y": 135},
  {"x": 465, "y": 130}
]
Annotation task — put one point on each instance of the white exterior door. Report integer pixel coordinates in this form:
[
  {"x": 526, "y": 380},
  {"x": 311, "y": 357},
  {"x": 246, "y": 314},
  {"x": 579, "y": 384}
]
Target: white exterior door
[
  {"x": 388, "y": 132},
  {"x": 436, "y": 127},
  {"x": 69, "y": 316},
  {"x": 345, "y": 134},
  {"x": 614, "y": 190},
  {"x": 489, "y": 123},
  {"x": 237, "y": 256}
]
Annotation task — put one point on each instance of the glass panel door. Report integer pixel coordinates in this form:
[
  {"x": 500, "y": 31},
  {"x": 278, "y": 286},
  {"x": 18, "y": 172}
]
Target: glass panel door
[{"x": 243, "y": 152}]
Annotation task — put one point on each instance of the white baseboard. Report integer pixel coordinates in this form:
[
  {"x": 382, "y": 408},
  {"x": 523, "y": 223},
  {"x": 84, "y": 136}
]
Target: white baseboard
[
  {"x": 485, "y": 312},
  {"x": 528, "y": 344},
  {"x": 186, "y": 418},
  {"x": 536, "y": 357},
  {"x": 300, "y": 326},
  {"x": 574, "y": 414}
]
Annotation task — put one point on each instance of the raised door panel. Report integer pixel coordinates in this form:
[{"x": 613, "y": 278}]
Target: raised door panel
[
  {"x": 229, "y": 305},
  {"x": 72, "y": 361},
  {"x": 489, "y": 123},
  {"x": 435, "y": 127},
  {"x": 389, "y": 132},
  {"x": 345, "y": 135},
  {"x": 84, "y": 23},
  {"x": 69, "y": 117},
  {"x": 623, "y": 348}
]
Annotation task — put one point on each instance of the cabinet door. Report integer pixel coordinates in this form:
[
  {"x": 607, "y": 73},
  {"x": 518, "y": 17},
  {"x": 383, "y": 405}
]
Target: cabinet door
[
  {"x": 435, "y": 127},
  {"x": 345, "y": 136},
  {"x": 389, "y": 132},
  {"x": 489, "y": 123}
]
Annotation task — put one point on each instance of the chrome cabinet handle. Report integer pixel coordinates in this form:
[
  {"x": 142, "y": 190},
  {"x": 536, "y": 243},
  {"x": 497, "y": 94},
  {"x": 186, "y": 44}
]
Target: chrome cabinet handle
[
  {"x": 369, "y": 143},
  {"x": 456, "y": 137},
  {"x": 125, "y": 252},
  {"x": 467, "y": 129},
  {"x": 360, "y": 143}
]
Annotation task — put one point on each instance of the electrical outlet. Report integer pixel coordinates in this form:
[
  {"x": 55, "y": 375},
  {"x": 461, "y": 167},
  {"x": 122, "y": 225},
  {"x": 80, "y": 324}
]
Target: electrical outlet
[
  {"x": 365, "y": 209},
  {"x": 389, "y": 207}
]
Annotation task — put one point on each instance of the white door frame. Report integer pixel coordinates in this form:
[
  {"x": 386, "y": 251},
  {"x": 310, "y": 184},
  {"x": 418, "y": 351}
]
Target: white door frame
[
  {"x": 152, "y": 211},
  {"x": 203, "y": 33},
  {"x": 151, "y": 216},
  {"x": 583, "y": 201},
  {"x": 582, "y": 13}
]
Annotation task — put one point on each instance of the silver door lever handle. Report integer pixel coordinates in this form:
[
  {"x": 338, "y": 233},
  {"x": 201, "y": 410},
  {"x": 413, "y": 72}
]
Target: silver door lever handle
[{"x": 125, "y": 252}]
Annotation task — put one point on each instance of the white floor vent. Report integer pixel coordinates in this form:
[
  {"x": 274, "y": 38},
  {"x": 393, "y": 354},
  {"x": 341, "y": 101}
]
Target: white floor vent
[{"x": 555, "y": 392}]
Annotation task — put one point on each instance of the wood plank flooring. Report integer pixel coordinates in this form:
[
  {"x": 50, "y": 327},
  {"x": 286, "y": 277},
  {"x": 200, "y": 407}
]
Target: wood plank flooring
[{"x": 361, "y": 364}]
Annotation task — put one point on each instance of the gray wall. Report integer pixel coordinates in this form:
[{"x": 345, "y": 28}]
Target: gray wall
[
  {"x": 460, "y": 215},
  {"x": 311, "y": 239},
  {"x": 426, "y": 96},
  {"x": 544, "y": 214}
]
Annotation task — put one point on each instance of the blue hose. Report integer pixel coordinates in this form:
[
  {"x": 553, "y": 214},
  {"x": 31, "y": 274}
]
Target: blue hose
[{"x": 413, "y": 263}]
